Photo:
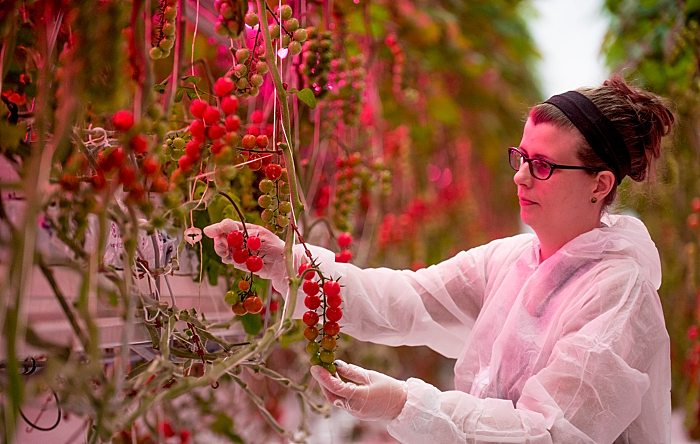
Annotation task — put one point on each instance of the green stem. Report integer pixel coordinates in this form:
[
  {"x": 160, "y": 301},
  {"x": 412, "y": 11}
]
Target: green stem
[
  {"x": 260, "y": 404},
  {"x": 48, "y": 274}
]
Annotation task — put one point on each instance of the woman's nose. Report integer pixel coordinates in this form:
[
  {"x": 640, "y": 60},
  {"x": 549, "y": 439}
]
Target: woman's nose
[{"x": 523, "y": 176}]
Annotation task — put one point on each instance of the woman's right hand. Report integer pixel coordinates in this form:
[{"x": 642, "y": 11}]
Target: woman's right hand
[{"x": 271, "y": 250}]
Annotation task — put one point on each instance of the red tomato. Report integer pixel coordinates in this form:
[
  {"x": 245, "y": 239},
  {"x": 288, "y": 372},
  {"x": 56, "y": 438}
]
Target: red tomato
[
  {"x": 310, "y": 318},
  {"x": 331, "y": 288},
  {"x": 235, "y": 239},
  {"x": 254, "y": 263},
  {"x": 253, "y": 304}
]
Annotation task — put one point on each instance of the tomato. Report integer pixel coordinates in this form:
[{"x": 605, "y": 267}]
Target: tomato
[
  {"x": 311, "y": 333},
  {"x": 261, "y": 141},
  {"x": 197, "y": 108},
  {"x": 239, "y": 309},
  {"x": 216, "y": 132},
  {"x": 232, "y": 123},
  {"x": 139, "y": 143},
  {"x": 327, "y": 356},
  {"x": 334, "y": 314},
  {"x": 254, "y": 243},
  {"x": 253, "y": 304},
  {"x": 150, "y": 166},
  {"x": 248, "y": 141},
  {"x": 244, "y": 285},
  {"x": 240, "y": 255},
  {"x": 235, "y": 239},
  {"x": 310, "y": 318},
  {"x": 334, "y": 301},
  {"x": 344, "y": 240},
  {"x": 257, "y": 162},
  {"x": 328, "y": 343},
  {"x": 331, "y": 288},
  {"x": 211, "y": 115},
  {"x": 310, "y": 274},
  {"x": 123, "y": 120},
  {"x": 331, "y": 328},
  {"x": 273, "y": 171},
  {"x": 310, "y": 287},
  {"x": 312, "y": 348},
  {"x": 254, "y": 263},
  {"x": 223, "y": 86},
  {"x": 312, "y": 302},
  {"x": 197, "y": 130}
]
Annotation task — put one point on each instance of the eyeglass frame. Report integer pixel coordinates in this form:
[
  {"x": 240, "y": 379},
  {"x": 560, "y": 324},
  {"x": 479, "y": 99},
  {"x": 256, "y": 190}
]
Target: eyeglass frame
[{"x": 552, "y": 166}]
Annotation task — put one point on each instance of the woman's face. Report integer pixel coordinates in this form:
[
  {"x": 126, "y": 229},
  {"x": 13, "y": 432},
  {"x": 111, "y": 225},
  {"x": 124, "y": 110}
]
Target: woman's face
[{"x": 561, "y": 205}]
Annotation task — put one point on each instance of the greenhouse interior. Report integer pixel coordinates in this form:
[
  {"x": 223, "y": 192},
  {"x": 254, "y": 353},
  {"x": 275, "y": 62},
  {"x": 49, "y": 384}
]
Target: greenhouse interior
[{"x": 311, "y": 221}]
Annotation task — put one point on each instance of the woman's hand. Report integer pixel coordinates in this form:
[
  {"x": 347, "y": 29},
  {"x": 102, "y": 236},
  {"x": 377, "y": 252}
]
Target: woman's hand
[
  {"x": 373, "y": 396},
  {"x": 271, "y": 250}
]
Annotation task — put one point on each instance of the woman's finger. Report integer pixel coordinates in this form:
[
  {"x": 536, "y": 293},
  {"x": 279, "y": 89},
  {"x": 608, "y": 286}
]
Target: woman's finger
[
  {"x": 353, "y": 373},
  {"x": 333, "y": 384}
]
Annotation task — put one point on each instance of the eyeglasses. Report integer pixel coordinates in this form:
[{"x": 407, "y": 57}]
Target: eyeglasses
[{"x": 539, "y": 169}]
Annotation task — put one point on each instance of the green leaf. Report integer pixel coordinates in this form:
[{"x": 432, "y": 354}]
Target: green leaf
[
  {"x": 178, "y": 94},
  {"x": 191, "y": 93},
  {"x": 193, "y": 79},
  {"x": 160, "y": 89},
  {"x": 213, "y": 271},
  {"x": 223, "y": 425},
  {"x": 216, "y": 208},
  {"x": 11, "y": 135},
  {"x": 251, "y": 323},
  {"x": 306, "y": 96}
]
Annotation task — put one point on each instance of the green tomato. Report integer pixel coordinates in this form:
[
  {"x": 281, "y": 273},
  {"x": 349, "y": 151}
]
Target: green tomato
[
  {"x": 312, "y": 348},
  {"x": 326, "y": 356},
  {"x": 261, "y": 67},
  {"x": 294, "y": 48},
  {"x": 315, "y": 360},
  {"x": 282, "y": 221},
  {"x": 265, "y": 201},
  {"x": 285, "y": 12},
  {"x": 267, "y": 215},
  {"x": 242, "y": 55},
  {"x": 284, "y": 188},
  {"x": 285, "y": 207},
  {"x": 179, "y": 143},
  {"x": 256, "y": 80},
  {"x": 266, "y": 186},
  {"x": 330, "y": 367},
  {"x": 285, "y": 40},
  {"x": 291, "y": 25}
]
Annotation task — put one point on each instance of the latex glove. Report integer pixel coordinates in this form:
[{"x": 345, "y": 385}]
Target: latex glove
[
  {"x": 377, "y": 397},
  {"x": 271, "y": 250}
]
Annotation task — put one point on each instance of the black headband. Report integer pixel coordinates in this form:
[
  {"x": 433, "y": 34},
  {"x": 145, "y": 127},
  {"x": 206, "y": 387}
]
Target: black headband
[{"x": 600, "y": 133}]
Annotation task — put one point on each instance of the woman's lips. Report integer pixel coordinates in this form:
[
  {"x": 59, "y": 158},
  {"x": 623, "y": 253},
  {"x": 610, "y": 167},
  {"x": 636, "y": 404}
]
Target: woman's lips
[{"x": 525, "y": 202}]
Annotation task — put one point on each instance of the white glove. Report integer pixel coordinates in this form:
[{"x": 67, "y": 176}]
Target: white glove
[
  {"x": 271, "y": 251},
  {"x": 377, "y": 396}
]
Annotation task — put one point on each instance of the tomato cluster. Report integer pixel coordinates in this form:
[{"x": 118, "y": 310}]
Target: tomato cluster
[
  {"x": 323, "y": 294},
  {"x": 244, "y": 251},
  {"x": 344, "y": 242},
  {"x": 355, "y": 175},
  {"x": 165, "y": 39}
]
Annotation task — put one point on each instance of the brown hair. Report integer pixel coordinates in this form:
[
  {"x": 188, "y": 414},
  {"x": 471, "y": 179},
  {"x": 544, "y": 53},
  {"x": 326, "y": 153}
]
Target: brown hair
[{"x": 642, "y": 118}]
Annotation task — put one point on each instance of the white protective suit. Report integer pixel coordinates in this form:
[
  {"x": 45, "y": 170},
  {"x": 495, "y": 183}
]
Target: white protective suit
[{"x": 570, "y": 350}]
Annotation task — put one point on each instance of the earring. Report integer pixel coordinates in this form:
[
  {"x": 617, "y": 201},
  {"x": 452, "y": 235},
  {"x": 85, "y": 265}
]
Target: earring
[{"x": 594, "y": 199}]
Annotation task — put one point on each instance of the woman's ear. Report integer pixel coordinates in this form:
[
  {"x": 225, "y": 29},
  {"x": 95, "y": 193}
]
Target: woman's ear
[{"x": 604, "y": 182}]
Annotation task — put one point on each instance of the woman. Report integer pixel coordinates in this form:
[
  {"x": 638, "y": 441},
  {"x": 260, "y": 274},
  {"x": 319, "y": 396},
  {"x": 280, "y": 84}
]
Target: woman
[{"x": 560, "y": 335}]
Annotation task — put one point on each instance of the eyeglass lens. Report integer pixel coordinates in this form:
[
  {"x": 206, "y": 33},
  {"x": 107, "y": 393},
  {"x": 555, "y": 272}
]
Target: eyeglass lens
[{"x": 538, "y": 168}]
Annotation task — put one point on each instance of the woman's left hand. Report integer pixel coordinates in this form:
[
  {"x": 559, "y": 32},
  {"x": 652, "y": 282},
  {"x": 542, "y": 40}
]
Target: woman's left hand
[{"x": 372, "y": 396}]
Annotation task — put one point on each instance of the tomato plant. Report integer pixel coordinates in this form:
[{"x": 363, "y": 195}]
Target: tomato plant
[{"x": 129, "y": 127}]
